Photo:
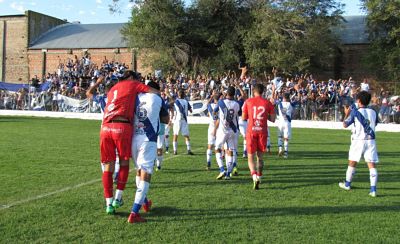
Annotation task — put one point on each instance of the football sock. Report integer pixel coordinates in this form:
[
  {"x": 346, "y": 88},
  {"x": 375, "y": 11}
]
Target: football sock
[
  {"x": 349, "y": 175},
  {"x": 109, "y": 201},
  {"x": 117, "y": 166},
  {"x": 140, "y": 195},
  {"x": 254, "y": 175},
  {"x": 244, "y": 146},
  {"x": 137, "y": 181},
  {"x": 146, "y": 201},
  {"x": 122, "y": 177},
  {"x": 234, "y": 158},
  {"x": 229, "y": 164},
  {"x": 118, "y": 194},
  {"x": 280, "y": 143},
  {"x": 286, "y": 145},
  {"x": 209, "y": 155},
  {"x": 175, "y": 145},
  {"x": 102, "y": 167},
  {"x": 166, "y": 142},
  {"x": 159, "y": 161},
  {"x": 188, "y": 145},
  {"x": 373, "y": 177},
  {"x": 107, "y": 184},
  {"x": 219, "y": 162}
]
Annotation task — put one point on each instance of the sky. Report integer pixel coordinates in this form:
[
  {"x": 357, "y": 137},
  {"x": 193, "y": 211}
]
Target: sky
[{"x": 96, "y": 11}]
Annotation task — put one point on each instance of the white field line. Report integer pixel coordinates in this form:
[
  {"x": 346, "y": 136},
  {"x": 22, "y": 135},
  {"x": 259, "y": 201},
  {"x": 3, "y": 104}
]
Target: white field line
[{"x": 30, "y": 199}]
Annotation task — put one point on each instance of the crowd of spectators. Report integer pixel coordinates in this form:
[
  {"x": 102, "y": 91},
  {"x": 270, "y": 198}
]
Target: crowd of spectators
[{"x": 311, "y": 98}]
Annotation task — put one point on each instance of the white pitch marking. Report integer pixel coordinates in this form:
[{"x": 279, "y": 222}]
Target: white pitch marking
[{"x": 62, "y": 190}]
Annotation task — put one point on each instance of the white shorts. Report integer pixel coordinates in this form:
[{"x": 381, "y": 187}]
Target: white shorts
[
  {"x": 160, "y": 141},
  {"x": 211, "y": 137},
  {"x": 229, "y": 138},
  {"x": 285, "y": 129},
  {"x": 144, "y": 153},
  {"x": 363, "y": 147},
  {"x": 181, "y": 127},
  {"x": 242, "y": 127}
]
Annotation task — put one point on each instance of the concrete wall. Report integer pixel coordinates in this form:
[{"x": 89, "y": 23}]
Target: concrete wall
[
  {"x": 14, "y": 54},
  {"x": 39, "y": 23}
]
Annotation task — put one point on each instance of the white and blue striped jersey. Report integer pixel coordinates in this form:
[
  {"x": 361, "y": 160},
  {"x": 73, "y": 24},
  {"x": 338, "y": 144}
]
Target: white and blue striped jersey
[
  {"x": 285, "y": 111},
  {"x": 181, "y": 108},
  {"x": 363, "y": 122},
  {"x": 149, "y": 108},
  {"x": 101, "y": 100},
  {"x": 228, "y": 115},
  {"x": 211, "y": 116}
]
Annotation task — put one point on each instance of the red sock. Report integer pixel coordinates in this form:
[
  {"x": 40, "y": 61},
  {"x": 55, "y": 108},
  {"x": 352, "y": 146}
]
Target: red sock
[
  {"x": 108, "y": 184},
  {"x": 253, "y": 173},
  {"x": 259, "y": 174},
  {"x": 122, "y": 177}
]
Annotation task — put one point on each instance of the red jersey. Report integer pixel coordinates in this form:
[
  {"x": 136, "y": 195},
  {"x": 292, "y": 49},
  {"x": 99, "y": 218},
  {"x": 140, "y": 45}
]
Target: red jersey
[
  {"x": 121, "y": 100},
  {"x": 256, "y": 111}
]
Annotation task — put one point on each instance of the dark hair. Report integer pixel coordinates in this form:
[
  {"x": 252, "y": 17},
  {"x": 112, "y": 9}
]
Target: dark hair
[
  {"x": 259, "y": 88},
  {"x": 154, "y": 85},
  {"x": 181, "y": 94},
  {"x": 286, "y": 96},
  {"x": 216, "y": 97},
  {"x": 231, "y": 91},
  {"x": 129, "y": 73},
  {"x": 364, "y": 97}
]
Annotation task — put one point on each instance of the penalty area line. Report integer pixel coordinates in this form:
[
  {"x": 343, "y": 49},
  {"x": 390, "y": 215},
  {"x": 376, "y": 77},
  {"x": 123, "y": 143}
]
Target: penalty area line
[{"x": 30, "y": 199}]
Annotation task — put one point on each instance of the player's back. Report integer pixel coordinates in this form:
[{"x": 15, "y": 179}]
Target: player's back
[
  {"x": 285, "y": 111},
  {"x": 368, "y": 119},
  {"x": 228, "y": 115},
  {"x": 147, "y": 116},
  {"x": 211, "y": 116},
  {"x": 257, "y": 110},
  {"x": 181, "y": 107}
]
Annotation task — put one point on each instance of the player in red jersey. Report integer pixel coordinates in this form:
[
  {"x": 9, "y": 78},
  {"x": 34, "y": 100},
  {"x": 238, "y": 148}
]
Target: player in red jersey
[
  {"x": 257, "y": 111},
  {"x": 116, "y": 134}
]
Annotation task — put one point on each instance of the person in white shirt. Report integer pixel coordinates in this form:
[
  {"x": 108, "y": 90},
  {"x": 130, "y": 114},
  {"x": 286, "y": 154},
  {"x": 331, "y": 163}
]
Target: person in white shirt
[
  {"x": 364, "y": 85},
  {"x": 181, "y": 108},
  {"x": 211, "y": 128},
  {"x": 285, "y": 110},
  {"x": 226, "y": 128},
  {"x": 362, "y": 121}
]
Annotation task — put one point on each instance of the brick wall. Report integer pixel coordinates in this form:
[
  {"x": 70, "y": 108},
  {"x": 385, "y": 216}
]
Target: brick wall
[{"x": 15, "y": 55}]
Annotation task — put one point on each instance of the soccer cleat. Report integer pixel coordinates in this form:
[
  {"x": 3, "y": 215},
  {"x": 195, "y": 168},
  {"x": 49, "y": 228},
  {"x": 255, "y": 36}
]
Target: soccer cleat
[
  {"x": 256, "y": 185},
  {"x": 190, "y": 152},
  {"x": 372, "y": 193},
  {"x": 235, "y": 171},
  {"x": 285, "y": 154},
  {"x": 343, "y": 186},
  {"x": 147, "y": 206},
  {"x": 221, "y": 175},
  {"x": 175, "y": 153},
  {"x": 227, "y": 177},
  {"x": 110, "y": 209},
  {"x": 135, "y": 218},
  {"x": 280, "y": 153},
  {"x": 117, "y": 203}
]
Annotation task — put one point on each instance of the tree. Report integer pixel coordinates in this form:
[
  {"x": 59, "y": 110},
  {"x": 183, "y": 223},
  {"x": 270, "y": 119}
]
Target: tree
[{"x": 384, "y": 31}]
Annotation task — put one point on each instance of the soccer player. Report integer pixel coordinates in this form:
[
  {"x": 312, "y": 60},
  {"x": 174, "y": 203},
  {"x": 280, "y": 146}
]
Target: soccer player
[
  {"x": 285, "y": 110},
  {"x": 363, "y": 122},
  {"x": 102, "y": 101},
  {"x": 226, "y": 128},
  {"x": 211, "y": 128},
  {"x": 181, "y": 108},
  {"x": 116, "y": 133},
  {"x": 257, "y": 111},
  {"x": 150, "y": 110},
  {"x": 161, "y": 140}
]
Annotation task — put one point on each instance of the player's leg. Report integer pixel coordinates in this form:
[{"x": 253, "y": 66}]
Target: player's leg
[
  {"x": 160, "y": 147},
  {"x": 280, "y": 140},
  {"x": 143, "y": 186},
  {"x": 259, "y": 168},
  {"x": 355, "y": 152},
  {"x": 211, "y": 143},
  {"x": 268, "y": 142},
  {"x": 371, "y": 157},
  {"x": 185, "y": 133},
  {"x": 176, "y": 130},
  {"x": 117, "y": 165},
  {"x": 242, "y": 129},
  {"x": 235, "y": 153},
  {"x": 219, "y": 144},
  {"x": 286, "y": 137},
  {"x": 166, "y": 139}
]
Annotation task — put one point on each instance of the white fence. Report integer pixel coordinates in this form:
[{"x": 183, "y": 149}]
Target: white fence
[{"x": 192, "y": 120}]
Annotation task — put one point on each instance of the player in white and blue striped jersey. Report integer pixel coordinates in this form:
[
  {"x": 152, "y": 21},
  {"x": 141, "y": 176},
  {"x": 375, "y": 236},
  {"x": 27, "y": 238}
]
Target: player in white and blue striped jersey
[
  {"x": 148, "y": 115},
  {"x": 181, "y": 126},
  {"x": 212, "y": 118},
  {"x": 362, "y": 121},
  {"x": 284, "y": 122}
]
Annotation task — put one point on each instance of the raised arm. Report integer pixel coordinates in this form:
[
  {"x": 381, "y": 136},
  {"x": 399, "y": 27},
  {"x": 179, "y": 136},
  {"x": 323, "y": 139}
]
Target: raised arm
[{"x": 92, "y": 89}]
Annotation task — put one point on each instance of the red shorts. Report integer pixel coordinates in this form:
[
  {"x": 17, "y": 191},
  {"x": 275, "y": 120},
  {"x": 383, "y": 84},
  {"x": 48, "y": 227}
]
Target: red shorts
[
  {"x": 256, "y": 143},
  {"x": 115, "y": 136}
]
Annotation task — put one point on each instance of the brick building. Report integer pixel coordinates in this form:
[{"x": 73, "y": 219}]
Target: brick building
[{"x": 34, "y": 44}]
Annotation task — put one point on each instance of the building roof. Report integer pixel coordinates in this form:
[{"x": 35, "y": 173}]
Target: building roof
[
  {"x": 354, "y": 30},
  {"x": 76, "y": 36}
]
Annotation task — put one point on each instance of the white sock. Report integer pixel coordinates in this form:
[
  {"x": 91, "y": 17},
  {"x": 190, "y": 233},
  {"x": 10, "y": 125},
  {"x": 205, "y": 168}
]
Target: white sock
[
  {"x": 209, "y": 155},
  {"x": 244, "y": 145},
  {"x": 280, "y": 143},
  {"x": 286, "y": 144},
  {"x": 175, "y": 145},
  {"x": 109, "y": 201},
  {"x": 102, "y": 167},
  {"x": 229, "y": 163},
  {"x": 188, "y": 145},
  {"x": 349, "y": 173},
  {"x": 166, "y": 141},
  {"x": 116, "y": 166},
  {"x": 137, "y": 181},
  {"x": 255, "y": 178},
  {"x": 141, "y": 192},
  {"x": 234, "y": 158},
  {"x": 159, "y": 160},
  {"x": 219, "y": 160},
  {"x": 373, "y": 176},
  {"x": 118, "y": 194}
]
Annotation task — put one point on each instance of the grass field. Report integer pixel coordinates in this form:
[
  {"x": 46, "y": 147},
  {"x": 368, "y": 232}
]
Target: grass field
[{"x": 51, "y": 192}]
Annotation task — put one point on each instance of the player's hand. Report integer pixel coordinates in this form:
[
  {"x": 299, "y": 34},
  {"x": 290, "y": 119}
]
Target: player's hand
[{"x": 347, "y": 110}]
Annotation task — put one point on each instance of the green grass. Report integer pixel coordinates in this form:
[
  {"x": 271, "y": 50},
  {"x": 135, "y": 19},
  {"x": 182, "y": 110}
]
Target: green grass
[{"x": 299, "y": 200}]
